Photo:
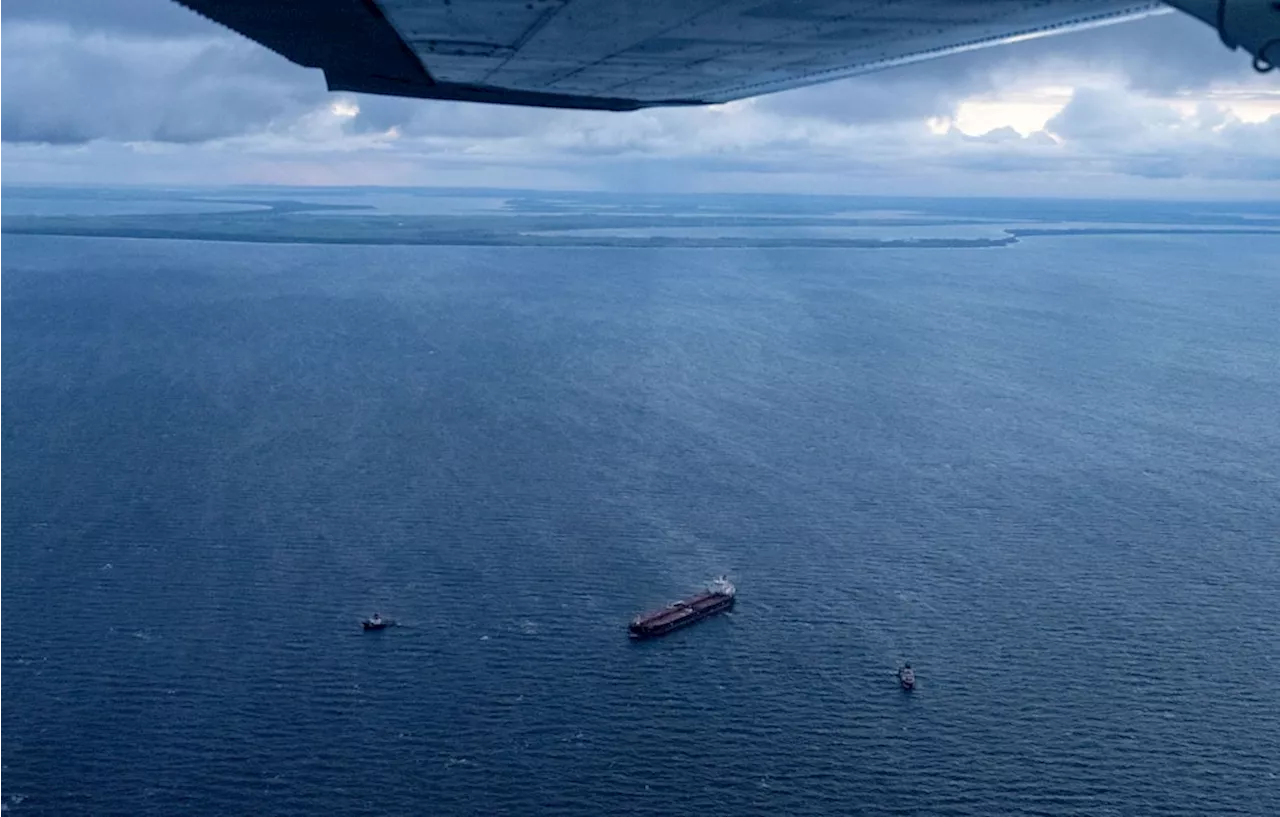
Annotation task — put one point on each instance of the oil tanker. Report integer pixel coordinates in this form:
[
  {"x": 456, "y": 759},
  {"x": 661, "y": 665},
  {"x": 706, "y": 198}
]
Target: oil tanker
[{"x": 717, "y": 598}]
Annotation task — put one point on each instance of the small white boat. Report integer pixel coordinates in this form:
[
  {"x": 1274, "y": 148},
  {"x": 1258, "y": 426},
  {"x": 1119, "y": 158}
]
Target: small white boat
[
  {"x": 376, "y": 622},
  {"x": 907, "y": 677}
]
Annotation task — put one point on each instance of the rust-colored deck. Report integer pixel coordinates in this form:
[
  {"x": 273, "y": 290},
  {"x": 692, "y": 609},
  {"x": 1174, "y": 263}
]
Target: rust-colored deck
[{"x": 681, "y": 609}]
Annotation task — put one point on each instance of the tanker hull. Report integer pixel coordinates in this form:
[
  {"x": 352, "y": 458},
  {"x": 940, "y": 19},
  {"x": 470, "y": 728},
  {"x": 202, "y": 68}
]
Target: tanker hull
[{"x": 680, "y": 614}]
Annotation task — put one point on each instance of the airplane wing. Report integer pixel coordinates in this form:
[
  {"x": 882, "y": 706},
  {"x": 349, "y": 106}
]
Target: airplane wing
[{"x": 628, "y": 54}]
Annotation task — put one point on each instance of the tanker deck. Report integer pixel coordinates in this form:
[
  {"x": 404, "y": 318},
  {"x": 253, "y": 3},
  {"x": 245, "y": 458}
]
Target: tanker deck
[{"x": 717, "y": 598}]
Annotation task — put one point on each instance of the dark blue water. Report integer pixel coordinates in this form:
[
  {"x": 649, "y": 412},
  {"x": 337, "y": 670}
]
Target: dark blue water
[{"x": 1047, "y": 475}]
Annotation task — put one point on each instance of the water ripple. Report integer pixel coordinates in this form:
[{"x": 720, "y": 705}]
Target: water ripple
[{"x": 1046, "y": 478}]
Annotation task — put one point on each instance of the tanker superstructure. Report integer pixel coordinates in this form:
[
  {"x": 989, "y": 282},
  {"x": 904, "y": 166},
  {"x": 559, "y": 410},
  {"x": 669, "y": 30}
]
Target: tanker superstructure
[{"x": 717, "y": 598}]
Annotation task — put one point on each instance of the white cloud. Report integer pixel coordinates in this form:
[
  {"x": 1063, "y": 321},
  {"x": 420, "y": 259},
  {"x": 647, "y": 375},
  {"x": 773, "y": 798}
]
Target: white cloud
[{"x": 1150, "y": 108}]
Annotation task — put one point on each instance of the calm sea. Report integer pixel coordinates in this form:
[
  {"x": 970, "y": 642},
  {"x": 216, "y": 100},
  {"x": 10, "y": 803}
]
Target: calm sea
[{"x": 1046, "y": 475}]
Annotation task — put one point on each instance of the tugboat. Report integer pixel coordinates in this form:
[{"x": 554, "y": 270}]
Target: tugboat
[
  {"x": 907, "y": 678},
  {"x": 377, "y": 622}
]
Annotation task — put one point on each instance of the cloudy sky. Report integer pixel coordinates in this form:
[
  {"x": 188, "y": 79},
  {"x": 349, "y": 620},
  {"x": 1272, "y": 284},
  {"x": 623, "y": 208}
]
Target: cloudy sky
[{"x": 145, "y": 92}]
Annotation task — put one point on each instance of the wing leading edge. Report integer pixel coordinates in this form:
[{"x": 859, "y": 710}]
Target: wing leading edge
[{"x": 625, "y": 54}]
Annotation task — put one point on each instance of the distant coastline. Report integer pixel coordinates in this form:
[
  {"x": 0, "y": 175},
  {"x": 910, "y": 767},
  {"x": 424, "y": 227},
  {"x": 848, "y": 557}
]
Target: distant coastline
[{"x": 597, "y": 221}]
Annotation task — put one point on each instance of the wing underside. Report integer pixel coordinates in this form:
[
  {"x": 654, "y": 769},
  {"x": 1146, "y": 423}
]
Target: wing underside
[{"x": 629, "y": 54}]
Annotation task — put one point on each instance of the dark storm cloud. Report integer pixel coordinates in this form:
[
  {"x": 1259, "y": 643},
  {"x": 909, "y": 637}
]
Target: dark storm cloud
[
  {"x": 113, "y": 73},
  {"x": 135, "y": 18},
  {"x": 127, "y": 70},
  {"x": 152, "y": 70},
  {"x": 66, "y": 86}
]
